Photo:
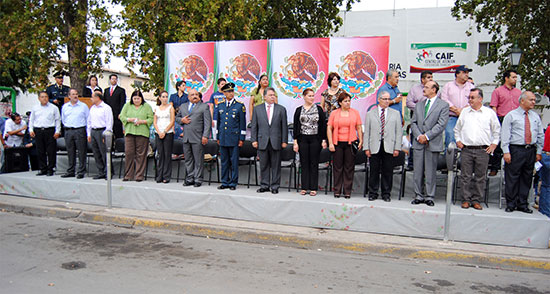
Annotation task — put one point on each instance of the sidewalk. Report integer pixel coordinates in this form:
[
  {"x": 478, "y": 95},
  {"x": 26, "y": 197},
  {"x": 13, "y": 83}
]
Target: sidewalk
[{"x": 514, "y": 258}]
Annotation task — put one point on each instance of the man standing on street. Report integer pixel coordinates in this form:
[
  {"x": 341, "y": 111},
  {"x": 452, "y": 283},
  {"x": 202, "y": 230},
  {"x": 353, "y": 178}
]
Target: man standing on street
[
  {"x": 195, "y": 118},
  {"x": 269, "y": 134},
  {"x": 427, "y": 125},
  {"x": 522, "y": 139},
  {"x": 392, "y": 79},
  {"x": 456, "y": 94},
  {"x": 74, "y": 116},
  {"x": 100, "y": 120},
  {"x": 477, "y": 133},
  {"x": 503, "y": 100},
  {"x": 383, "y": 137},
  {"x": 45, "y": 127},
  {"x": 115, "y": 97},
  {"x": 57, "y": 92},
  {"x": 231, "y": 128}
]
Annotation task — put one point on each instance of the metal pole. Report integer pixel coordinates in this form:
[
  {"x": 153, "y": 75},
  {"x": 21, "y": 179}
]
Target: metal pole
[
  {"x": 108, "y": 136},
  {"x": 450, "y": 157}
]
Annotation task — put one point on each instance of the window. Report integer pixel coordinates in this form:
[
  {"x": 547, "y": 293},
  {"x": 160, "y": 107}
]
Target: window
[
  {"x": 487, "y": 49},
  {"x": 138, "y": 84}
]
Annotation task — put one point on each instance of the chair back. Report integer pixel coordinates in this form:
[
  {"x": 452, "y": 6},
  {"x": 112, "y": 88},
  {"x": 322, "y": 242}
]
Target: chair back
[
  {"x": 119, "y": 145},
  {"x": 177, "y": 148},
  {"x": 360, "y": 157},
  {"x": 211, "y": 148},
  {"x": 400, "y": 159},
  {"x": 247, "y": 151},
  {"x": 61, "y": 145},
  {"x": 288, "y": 154},
  {"x": 325, "y": 156}
]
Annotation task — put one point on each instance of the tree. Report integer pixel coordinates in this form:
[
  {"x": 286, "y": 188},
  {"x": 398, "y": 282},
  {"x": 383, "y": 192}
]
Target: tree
[
  {"x": 149, "y": 24},
  {"x": 524, "y": 23},
  {"x": 40, "y": 31}
]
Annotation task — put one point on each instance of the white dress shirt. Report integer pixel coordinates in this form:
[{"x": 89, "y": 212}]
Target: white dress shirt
[
  {"x": 270, "y": 112},
  {"x": 46, "y": 116},
  {"x": 13, "y": 140},
  {"x": 477, "y": 127},
  {"x": 101, "y": 116}
]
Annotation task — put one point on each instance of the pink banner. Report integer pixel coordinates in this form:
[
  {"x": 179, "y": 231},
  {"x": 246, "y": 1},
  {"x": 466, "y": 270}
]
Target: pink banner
[
  {"x": 298, "y": 64},
  {"x": 362, "y": 63},
  {"x": 193, "y": 63}
]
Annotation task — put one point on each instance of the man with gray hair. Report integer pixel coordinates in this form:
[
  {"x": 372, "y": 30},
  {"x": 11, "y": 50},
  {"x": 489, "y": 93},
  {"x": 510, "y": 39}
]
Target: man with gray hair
[
  {"x": 392, "y": 79},
  {"x": 74, "y": 116},
  {"x": 477, "y": 133},
  {"x": 522, "y": 138}
]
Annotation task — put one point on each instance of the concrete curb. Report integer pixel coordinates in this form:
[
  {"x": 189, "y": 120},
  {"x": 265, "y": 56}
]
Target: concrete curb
[{"x": 276, "y": 238}]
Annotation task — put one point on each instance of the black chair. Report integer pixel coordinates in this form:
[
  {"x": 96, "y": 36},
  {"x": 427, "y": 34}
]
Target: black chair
[
  {"x": 177, "y": 155},
  {"x": 325, "y": 163},
  {"x": 288, "y": 160},
  {"x": 212, "y": 149},
  {"x": 361, "y": 166},
  {"x": 118, "y": 152},
  {"x": 16, "y": 159},
  {"x": 61, "y": 146},
  {"x": 399, "y": 161},
  {"x": 247, "y": 156}
]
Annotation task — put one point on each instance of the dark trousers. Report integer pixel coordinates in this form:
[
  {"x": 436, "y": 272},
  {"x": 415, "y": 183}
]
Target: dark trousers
[
  {"x": 135, "y": 160},
  {"x": 100, "y": 151},
  {"x": 164, "y": 151},
  {"x": 519, "y": 176},
  {"x": 495, "y": 161},
  {"x": 343, "y": 168},
  {"x": 46, "y": 147},
  {"x": 75, "y": 139},
  {"x": 270, "y": 167},
  {"x": 381, "y": 166},
  {"x": 230, "y": 163},
  {"x": 117, "y": 126},
  {"x": 473, "y": 173},
  {"x": 309, "y": 149}
]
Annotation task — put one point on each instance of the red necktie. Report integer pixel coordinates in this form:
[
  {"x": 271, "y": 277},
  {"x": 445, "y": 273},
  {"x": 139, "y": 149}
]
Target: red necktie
[
  {"x": 112, "y": 88},
  {"x": 382, "y": 122},
  {"x": 527, "y": 129}
]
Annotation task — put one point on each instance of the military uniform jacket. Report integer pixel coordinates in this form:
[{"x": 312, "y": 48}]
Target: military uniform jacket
[
  {"x": 58, "y": 93},
  {"x": 231, "y": 123}
]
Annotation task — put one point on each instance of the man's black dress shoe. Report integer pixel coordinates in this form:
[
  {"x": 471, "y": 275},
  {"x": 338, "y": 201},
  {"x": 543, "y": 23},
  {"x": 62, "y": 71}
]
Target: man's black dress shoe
[
  {"x": 386, "y": 199},
  {"x": 508, "y": 209},
  {"x": 221, "y": 187},
  {"x": 41, "y": 173},
  {"x": 50, "y": 173},
  {"x": 429, "y": 202},
  {"x": 159, "y": 181},
  {"x": 232, "y": 188},
  {"x": 372, "y": 198},
  {"x": 99, "y": 177},
  {"x": 67, "y": 175},
  {"x": 262, "y": 190},
  {"x": 274, "y": 191},
  {"x": 188, "y": 183},
  {"x": 416, "y": 202},
  {"x": 197, "y": 184},
  {"x": 525, "y": 210},
  {"x": 79, "y": 176}
]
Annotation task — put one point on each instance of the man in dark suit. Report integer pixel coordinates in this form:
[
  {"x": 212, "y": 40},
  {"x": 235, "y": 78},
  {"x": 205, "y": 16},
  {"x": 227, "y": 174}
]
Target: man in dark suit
[
  {"x": 230, "y": 117},
  {"x": 428, "y": 125},
  {"x": 115, "y": 96},
  {"x": 269, "y": 134},
  {"x": 57, "y": 92},
  {"x": 195, "y": 118}
]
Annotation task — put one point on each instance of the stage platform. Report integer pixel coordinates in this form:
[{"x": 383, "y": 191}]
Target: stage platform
[{"x": 491, "y": 225}]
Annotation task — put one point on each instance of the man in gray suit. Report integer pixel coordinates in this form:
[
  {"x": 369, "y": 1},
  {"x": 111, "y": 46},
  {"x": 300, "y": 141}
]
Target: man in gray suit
[
  {"x": 196, "y": 120},
  {"x": 428, "y": 126},
  {"x": 269, "y": 134},
  {"x": 383, "y": 139}
]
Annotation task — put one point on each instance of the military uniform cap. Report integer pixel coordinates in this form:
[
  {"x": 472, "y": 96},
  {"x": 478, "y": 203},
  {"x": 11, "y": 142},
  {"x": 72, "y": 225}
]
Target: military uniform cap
[
  {"x": 228, "y": 87},
  {"x": 59, "y": 74}
]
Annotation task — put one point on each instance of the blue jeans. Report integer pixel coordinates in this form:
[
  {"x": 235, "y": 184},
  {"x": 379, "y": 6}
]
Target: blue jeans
[
  {"x": 450, "y": 131},
  {"x": 544, "y": 199}
]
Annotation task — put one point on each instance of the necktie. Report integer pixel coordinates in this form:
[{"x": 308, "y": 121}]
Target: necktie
[
  {"x": 112, "y": 88},
  {"x": 382, "y": 123},
  {"x": 427, "y": 107},
  {"x": 191, "y": 108},
  {"x": 268, "y": 113},
  {"x": 527, "y": 129}
]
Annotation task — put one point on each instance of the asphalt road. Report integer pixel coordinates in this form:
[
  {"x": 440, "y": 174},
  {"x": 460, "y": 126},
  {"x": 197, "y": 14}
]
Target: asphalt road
[{"x": 46, "y": 255}]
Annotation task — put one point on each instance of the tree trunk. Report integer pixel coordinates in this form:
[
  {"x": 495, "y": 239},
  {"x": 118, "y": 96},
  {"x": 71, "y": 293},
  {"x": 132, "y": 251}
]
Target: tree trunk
[{"x": 76, "y": 27}]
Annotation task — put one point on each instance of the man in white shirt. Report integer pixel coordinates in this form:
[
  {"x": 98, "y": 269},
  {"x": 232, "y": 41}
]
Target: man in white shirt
[
  {"x": 45, "y": 127},
  {"x": 14, "y": 130},
  {"x": 100, "y": 120},
  {"x": 477, "y": 133}
]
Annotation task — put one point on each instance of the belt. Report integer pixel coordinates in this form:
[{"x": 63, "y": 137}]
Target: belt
[
  {"x": 69, "y": 128},
  {"x": 44, "y": 129},
  {"x": 524, "y": 146},
  {"x": 477, "y": 147},
  {"x": 98, "y": 129}
]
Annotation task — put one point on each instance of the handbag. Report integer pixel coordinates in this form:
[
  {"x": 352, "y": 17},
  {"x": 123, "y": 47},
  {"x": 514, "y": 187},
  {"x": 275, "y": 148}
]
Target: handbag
[{"x": 355, "y": 146}]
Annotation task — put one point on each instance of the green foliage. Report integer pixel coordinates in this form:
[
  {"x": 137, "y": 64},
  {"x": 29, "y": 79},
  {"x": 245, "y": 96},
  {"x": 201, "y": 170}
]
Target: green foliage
[
  {"x": 522, "y": 22},
  {"x": 148, "y": 24},
  {"x": 37, "y": 31}
]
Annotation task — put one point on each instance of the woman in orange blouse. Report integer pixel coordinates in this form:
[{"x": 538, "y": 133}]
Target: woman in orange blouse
[{"x": 344, "y": 127}]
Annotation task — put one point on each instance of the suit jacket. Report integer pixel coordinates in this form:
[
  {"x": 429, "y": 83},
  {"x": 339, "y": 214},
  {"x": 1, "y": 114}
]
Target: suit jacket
[
  {"x": 231, "y": 123},
  {"x": 200, "y": 125},
  {"x": 432, "y": 125},
  {"x": 393, "y": 131},
  {"x": 116, "y": 101},
  {"x": 263, "y": 132}
]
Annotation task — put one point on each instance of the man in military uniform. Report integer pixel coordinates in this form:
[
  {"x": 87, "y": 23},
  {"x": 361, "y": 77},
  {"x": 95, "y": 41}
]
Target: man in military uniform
[
  {"x": 57, "y": 92},
  {"x": 231, "y": 129}
]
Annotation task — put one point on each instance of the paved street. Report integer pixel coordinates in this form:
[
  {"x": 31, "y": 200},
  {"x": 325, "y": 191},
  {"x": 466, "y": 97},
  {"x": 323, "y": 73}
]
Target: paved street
[{"x": 46, "y": 255}]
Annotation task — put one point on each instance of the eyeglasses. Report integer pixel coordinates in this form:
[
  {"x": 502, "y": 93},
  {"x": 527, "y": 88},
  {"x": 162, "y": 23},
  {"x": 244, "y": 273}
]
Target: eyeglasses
[{"x": 385, "y": 99}]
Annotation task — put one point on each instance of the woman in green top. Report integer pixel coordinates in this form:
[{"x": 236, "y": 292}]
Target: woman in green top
[
  {"x": 137, "y": 117},
  {"x": 257, "y": 97}
]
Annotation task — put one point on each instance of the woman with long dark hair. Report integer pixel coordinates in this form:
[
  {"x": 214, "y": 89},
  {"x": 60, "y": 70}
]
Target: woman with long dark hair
[
  {"x": 91, "y": 86},
  {"x": 164, "y": 119}
]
